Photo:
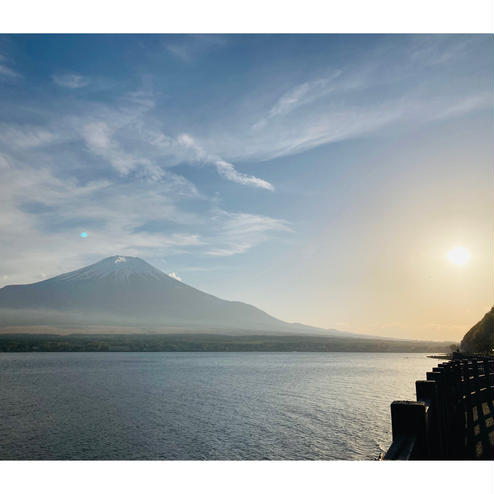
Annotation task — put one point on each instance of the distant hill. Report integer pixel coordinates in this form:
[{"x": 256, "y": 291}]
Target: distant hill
[
  {"x": 127, "y": 294},
  {"x": 481, "y": 337}
]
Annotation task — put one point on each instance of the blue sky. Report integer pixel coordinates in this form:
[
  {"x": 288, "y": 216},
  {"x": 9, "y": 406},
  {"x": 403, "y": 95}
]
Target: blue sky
[{"x": 321, "y": 178}]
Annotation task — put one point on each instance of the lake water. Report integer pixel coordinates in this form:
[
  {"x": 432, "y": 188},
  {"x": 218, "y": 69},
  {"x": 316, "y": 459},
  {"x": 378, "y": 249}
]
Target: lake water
[{"x": 202, "y": 406}]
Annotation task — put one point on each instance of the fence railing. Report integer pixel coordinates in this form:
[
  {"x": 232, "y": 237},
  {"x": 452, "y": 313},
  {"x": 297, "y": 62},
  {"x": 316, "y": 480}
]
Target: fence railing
[{"x": 452, "y": 417}]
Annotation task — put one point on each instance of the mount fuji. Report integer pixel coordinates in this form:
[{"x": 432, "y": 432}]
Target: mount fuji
[{"x": 128, "y": 293}]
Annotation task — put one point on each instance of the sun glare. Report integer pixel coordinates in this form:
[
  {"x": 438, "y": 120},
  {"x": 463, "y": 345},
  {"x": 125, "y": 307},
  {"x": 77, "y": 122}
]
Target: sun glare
[{"x": 458, "y": 256}]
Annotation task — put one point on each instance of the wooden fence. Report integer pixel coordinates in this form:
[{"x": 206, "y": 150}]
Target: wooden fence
[{"x": 453, "y": 417}]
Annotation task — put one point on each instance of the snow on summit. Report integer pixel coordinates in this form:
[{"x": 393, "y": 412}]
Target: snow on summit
[{"x": 118, "y": 267}]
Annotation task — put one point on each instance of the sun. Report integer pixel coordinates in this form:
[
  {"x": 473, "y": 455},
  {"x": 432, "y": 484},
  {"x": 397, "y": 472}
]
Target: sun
[{"x": 458, "y": 256}]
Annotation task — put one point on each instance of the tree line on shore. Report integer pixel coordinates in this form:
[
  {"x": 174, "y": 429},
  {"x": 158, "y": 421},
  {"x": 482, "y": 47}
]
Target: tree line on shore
[{"x": 207, "y": 343}]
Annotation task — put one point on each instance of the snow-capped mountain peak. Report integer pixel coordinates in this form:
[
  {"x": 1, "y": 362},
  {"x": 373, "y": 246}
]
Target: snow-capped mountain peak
[
  {"x": 118, "y": 267},
  {"x": 126, "y": 291}
]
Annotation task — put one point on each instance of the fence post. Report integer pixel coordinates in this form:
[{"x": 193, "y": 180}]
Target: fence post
[
  {"x": 409, "y": 422},
  {"x": 427, "y": 392},
  {"x": 457, "y": 423},
  {"x": 439, "y": 376}
]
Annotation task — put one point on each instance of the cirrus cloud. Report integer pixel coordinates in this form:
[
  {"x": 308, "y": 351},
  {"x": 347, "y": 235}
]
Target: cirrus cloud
[{"x": 71, "y": 81}]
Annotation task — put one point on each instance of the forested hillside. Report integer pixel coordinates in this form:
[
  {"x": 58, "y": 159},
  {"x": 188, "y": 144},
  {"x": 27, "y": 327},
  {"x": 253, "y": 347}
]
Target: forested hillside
[{"x": 481, "y": 337}]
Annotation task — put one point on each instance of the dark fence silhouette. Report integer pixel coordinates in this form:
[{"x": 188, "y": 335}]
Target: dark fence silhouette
[{"x": 453, "y": 417}]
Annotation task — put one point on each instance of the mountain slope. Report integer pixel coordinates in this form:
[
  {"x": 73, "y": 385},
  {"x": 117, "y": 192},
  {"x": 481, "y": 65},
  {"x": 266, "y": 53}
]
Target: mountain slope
[
  {"x": 480, "y": 339},
  {"x": 128, "y": 291}
]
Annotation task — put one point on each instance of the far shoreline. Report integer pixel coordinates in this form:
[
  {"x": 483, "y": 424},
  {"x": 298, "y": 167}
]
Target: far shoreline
[{"x": 26, "y": 342}]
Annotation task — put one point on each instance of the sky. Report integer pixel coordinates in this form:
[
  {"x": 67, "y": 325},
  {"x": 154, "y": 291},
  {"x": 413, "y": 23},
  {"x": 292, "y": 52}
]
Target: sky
[{"x": 321, "y": 178}]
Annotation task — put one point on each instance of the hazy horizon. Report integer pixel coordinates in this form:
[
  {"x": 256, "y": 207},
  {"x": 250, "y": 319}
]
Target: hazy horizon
[{"x": 321, "y": 178}]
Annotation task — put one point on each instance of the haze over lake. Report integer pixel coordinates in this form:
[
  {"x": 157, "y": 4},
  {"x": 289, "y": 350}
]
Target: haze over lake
[{"x": 211, "y": 406}]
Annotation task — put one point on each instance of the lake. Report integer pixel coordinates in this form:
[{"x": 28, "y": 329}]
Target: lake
[{"x": 202, "y": 406}]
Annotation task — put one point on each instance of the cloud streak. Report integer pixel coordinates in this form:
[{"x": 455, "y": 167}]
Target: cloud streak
[
  {"x": 239, "y": 232},
  {"x": 224, "y": 168},
  {"x": 188, "y": 48},
  {"x": 351, "y": 100},
  {"x": 25, "y": 136},
  {"x": 71, "y": 81},
  {"x": 5, "y": 71},
  {"x": 299, "y": 95}
]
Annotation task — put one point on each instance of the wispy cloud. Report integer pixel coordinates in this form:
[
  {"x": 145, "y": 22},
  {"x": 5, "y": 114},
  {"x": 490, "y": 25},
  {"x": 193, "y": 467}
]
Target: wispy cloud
[
  {"x": 71, "y": 81},
  {"x": 189, "y": 47},
  {"x": 6, "y": 71},
  {"x": 25, "y": 136},
  {"x": 239, "y": 232},
  {"x": 148, "y": 148},
  {"x": 99, "y": 139},
  {"x": 224, "y": 168},
  {"x": 228, "y": 171},
  {"x": 350, "y": 101},
  {"x": 299, "y": 95},
  {"x": 437, "y": 50},
  {"x": 466, "y": 105},
  {"x": 128, "y": 137}
]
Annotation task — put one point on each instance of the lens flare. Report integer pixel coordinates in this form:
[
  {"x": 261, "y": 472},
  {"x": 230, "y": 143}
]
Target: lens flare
[{"x": 83, "y": 234}]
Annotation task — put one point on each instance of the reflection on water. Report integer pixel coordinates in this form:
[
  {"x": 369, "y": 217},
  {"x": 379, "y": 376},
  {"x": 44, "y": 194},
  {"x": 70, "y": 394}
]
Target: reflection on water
[{"x": 215, "y": 406}]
